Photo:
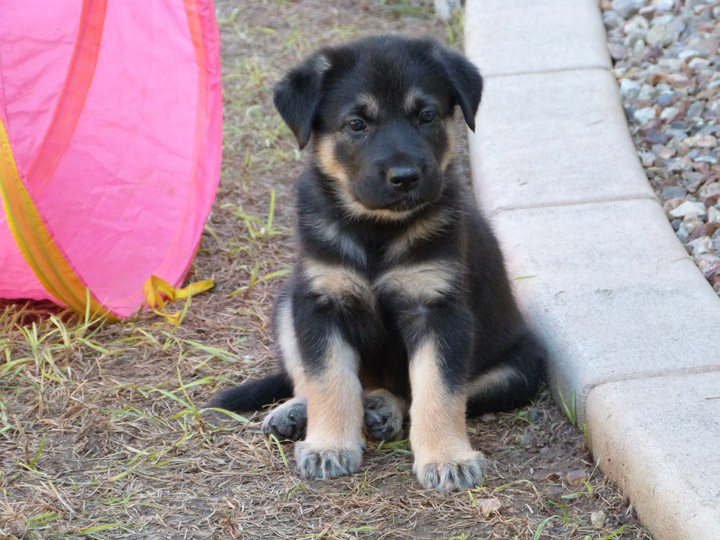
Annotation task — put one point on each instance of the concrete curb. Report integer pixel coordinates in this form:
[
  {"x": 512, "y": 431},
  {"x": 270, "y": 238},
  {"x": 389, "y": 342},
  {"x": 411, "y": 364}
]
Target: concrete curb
[{"x": 630, "y": 322}]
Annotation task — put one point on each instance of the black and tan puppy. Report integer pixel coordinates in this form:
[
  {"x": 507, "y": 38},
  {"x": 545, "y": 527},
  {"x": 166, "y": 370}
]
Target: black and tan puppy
[{"x": 399, "y": 298}]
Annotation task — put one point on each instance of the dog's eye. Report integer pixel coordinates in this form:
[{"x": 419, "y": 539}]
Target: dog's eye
[
  {"x": 356, "y": 124},
  {"x": 427, "y": 116}
]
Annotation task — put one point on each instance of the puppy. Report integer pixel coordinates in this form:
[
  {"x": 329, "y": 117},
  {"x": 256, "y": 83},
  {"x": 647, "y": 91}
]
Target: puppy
[{"x": 399, "y": 301}]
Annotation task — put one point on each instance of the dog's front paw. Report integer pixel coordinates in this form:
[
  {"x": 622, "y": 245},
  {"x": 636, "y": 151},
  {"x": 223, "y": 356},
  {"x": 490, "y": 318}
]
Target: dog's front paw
[
  {"x": 326, "y": 463},
  {"x": 452, "y": 476},
  {"x": 383, "y": 417},
  {"x": 288, "y": 421}
]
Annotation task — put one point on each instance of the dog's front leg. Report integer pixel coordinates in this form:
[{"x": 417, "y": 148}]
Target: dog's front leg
[
  {"x": 328, "y": 302},
  {"x": 437, "y": 329},
  {"x": 334, "y": 444},
  {"x": 444, "y": 459}
]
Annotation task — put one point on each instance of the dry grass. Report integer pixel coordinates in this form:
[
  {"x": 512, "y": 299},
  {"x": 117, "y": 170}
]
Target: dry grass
[{"x": 101, "y": 430}]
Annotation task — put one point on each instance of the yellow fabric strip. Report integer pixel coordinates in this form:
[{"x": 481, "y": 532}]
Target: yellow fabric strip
[
  {"x": 157, "y": 290},
  {"x": 35, "y": 242}
]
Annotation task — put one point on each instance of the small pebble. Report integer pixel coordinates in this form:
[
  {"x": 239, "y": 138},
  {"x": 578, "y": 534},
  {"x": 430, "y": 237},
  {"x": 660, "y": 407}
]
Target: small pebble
[
  {"x": 629, "y": 88},
  {"x": 701, "y": 245},
  {"x": 647, "y": 158},
  {"x": 627, "y": 7},
  {"x": 671, "y": 204},
  {"x": 674, "y": 192},
  {"x": 690, "y": 223},
  {"x": 697, "y": 232},
  {"x": 695, "y": 109},
  {"x": 664, "y": 5},
  {"x": 706, "y": 263},
  {"x": 688, "y": 209},
  {"x": 713, "y": 188},
  {"x": 489, "y": 506},
  {"x": 701, "y": 141},
  {"x": 707, "y": 158},
  {"x": 682, "y": 234},
  {"x": 713, "y": 215},
  {"x": 669, "y": 114},
  {"x": 644, "y": 115},
  {"x": 635, "y": 31},
  {"x": 660, "y": 35},
  {"x": 617, "y": 51},
  {"x": 712, "y": 271},
  {"x": 613, "y": 19},
  {"x": 655, "y": 136},
  {"x": 597, "y": 519},
  {"x": 699, "y": 64},
  {"x": 664, "y": 100},
  {"x": 576, "y": 477}
]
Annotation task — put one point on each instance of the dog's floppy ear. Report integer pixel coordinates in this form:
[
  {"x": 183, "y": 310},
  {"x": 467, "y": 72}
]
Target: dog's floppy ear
[
  {"x": 297, "y": 95},
  {"x": 465, "y": 79}
]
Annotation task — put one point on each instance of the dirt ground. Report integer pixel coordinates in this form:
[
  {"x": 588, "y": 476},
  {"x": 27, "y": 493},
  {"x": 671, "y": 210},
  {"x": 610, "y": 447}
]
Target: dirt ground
[{"x": 101, "y": 430}]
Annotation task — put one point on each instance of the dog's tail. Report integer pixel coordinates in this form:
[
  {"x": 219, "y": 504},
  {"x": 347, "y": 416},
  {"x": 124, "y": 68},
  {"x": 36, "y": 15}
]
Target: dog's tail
[
  {"x": 511, "y": 384},
  {"x": 252, "y": 395}
]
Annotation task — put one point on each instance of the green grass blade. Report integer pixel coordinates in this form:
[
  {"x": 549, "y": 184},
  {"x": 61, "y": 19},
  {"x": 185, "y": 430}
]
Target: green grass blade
[
  {"x": 614, "y": 534},
  {"x": 31, "y": 465},
  {"x": 539, "y": 530}
]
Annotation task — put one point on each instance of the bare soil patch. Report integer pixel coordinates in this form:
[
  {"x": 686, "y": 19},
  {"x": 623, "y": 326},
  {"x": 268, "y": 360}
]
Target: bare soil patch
[{"x": 101, "y": 435}]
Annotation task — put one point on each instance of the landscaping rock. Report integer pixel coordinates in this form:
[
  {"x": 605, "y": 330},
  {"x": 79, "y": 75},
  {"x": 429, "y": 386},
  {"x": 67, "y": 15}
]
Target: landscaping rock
[
  {"x": 688, "y": 209},
  {"x": 625, "y": 8},
  {"x": 644, "y": 115},
  {"x": 667, "y": 62}
]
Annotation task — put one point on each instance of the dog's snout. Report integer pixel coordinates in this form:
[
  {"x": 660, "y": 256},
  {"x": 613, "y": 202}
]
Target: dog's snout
[{"x": 403, "y": 178}]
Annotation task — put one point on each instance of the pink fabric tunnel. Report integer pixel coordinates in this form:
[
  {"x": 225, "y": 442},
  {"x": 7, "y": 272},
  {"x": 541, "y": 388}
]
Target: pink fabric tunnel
[{"x": 110, "y": 146}]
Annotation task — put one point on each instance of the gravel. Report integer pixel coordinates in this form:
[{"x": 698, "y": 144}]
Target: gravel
[{"x": 667, "y": 62}]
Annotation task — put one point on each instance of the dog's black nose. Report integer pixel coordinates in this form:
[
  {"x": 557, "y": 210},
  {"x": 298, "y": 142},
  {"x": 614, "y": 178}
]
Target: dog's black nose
[{"x": 403, "y": 178}]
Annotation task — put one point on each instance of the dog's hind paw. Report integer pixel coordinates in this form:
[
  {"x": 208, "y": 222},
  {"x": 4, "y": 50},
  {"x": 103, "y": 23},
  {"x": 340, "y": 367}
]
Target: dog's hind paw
[
  {"x": 453, "y": 476},
  {"x": 288, "y": 421},
  {"x": 326, "y": 463},
  {"x": 383, "y": 416}
]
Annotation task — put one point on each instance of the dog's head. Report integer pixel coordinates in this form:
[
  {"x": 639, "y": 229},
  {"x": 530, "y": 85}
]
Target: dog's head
[{"x": 380, "y": 110}]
